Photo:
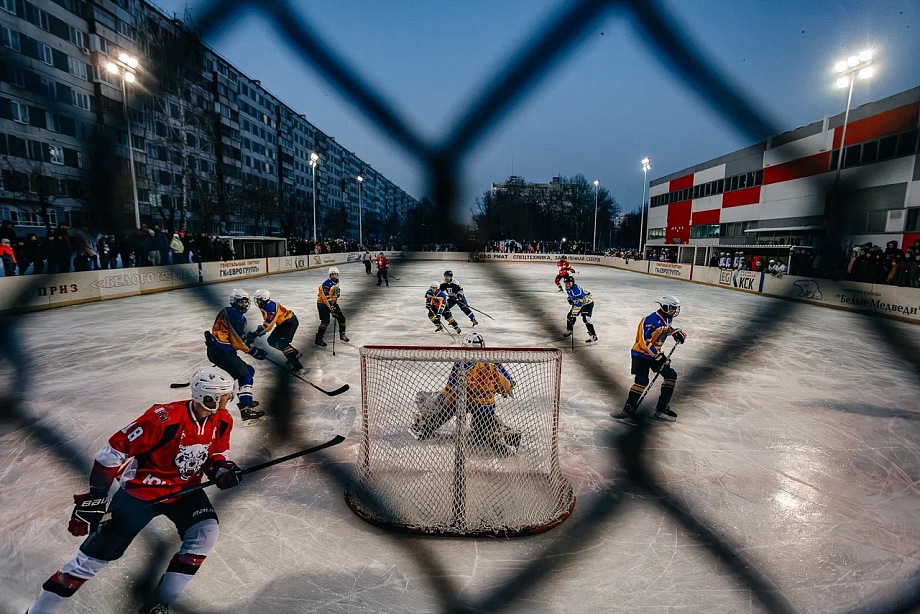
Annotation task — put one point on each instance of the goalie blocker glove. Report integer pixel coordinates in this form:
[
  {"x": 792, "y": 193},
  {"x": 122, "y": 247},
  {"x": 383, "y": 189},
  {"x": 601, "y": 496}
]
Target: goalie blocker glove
[
  {"x": 88, "y": 510},
  {"x": 226, "y": 474}
]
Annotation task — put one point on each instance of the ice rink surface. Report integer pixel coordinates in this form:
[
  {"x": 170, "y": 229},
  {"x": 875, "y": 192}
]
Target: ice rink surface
[{"x": 804, "y": 454}]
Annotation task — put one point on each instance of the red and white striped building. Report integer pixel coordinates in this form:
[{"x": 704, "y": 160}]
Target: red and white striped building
[{"x": 780, "y": 191}]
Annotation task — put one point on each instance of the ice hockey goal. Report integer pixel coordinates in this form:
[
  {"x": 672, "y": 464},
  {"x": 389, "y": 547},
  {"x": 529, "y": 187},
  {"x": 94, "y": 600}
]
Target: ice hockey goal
[{"x": 460, "y": 441}]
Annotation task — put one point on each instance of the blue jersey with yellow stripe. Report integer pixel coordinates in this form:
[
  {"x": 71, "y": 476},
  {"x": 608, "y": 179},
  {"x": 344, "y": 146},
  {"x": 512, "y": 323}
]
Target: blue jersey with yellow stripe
[
  {"x": 579, "y": 297},
  {"x": 483, "y": 380},
  {"x": 436, "y": 301},
  {"x": 653, "y": 331},
  {"x": 328, "y": 293},
  {"x": 228, "y": 330},
  {"x": 273, "y": 314}
]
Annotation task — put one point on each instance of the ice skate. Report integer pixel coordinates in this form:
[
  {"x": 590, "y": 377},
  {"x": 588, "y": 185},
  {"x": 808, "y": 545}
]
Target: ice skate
[
  {"x": 665, "y": 413},
  {"x": 342, "y": 337},
  {"x": 474, "y": 322},
  {"x": 560, "y": 288},
  {"x": 627, "y": 415},
  {"x": 591, "y": 339},
  {"x": 567, "y": 334},
  {"x": 319, "y": 341},
  {"x": 250, "y": 413}
]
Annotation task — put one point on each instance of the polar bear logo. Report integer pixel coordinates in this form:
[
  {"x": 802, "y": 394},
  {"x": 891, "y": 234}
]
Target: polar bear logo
[
  {"x": 191, "y": 459},
  {"x": 808, "y": 288}
]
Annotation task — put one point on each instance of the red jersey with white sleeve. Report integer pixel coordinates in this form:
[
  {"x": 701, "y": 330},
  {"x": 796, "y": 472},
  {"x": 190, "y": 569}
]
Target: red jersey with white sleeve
[
  {"x": 564, "y": 268},
  {"x": 162, "y": 452},
  {"x": 382, "y": 263}
]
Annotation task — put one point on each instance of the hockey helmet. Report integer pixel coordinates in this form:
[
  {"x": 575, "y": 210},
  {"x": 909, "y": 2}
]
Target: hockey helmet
[
  {"x": 435, "y": 285},
  {"x": 474, "y": 340},
  {"x": 448, "y": 274},
  {"x": 563, "y": 257},
  {"x": 333, "y": 270},
  {"x": 568, "y": 279},
  {"x": 211, "y": 383},
  {"x": 239, "y": 300},
  {"x": 262, "y": 297},
  {"x": 670, "y": 306}
]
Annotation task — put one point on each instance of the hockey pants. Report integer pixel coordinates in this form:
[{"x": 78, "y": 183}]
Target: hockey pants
[
  {"x": 446, "y": 314},
  {"x": 238, "y": 370},
  {"x": 280, "y": 339},
  {"x": 640, "y": 368},
  {"x": 460, "y": 301},
  {"x": 367, "y": 267},
  {"x": 325, "y": 315},
  {"x": 194, "y": 518},
  {"x": 585, "y": 314},
  {"x": 382, "y": 274}
]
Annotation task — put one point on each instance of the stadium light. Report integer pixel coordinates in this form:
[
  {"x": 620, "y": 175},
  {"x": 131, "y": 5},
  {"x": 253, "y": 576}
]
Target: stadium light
[
  {"x": 126, "y": 65},
  {"x": 847, "y": 71},
  {"x": 360, "y": 225},
  {"x": 597, "y": 185},
  {"x": 646, "y": 167},
  {"x": 314, "y": 161}
]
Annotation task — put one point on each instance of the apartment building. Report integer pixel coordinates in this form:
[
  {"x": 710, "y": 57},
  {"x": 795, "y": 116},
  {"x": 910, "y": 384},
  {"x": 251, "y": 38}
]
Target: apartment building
[{"x": 213, "y": 150}]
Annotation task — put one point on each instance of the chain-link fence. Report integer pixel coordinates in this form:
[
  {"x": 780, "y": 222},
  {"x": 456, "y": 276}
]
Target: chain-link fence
[{"x": 442, "y": 161}]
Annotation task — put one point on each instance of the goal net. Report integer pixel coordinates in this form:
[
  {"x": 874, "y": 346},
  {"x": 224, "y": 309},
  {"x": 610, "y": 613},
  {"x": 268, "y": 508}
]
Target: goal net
[{"x": 460, "y": 441}]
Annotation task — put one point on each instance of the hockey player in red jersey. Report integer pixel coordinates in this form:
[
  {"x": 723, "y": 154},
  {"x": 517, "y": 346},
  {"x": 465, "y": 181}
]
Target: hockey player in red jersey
[
  {"x": 383, "y": 264},
  {"x": 165, "y": 450},
  {"x": 565, "y": 269}
]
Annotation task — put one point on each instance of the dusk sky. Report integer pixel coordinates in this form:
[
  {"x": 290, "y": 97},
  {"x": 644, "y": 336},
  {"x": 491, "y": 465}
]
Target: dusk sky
[{"x": 609, "y": 103}]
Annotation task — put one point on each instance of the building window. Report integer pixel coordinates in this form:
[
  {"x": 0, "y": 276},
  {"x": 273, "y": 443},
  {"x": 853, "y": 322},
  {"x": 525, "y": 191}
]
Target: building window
[
  {"x": 887, "y": 147},
  {"x": 20, "y": 112},
  {"x": 913, "y": 221},
  {"x": 78, "y": 38},
  {"x": 706, "y": 231},
  {"x": 57, "y": 154},
  {"x": 851, "y": 156},
  {"x": 44, "y": 53},
  {"x": 8, "y": 5},
  {"x": 877, "y": 221},
  {"x": 77, "y": 68},
  {"x": 10, "y": 38},
  {"x": 52, "y": 122},
  {"x": 907, "y": 143},
  {"x": 81, "y": 100},
  {"x": 82, "y": 160}
]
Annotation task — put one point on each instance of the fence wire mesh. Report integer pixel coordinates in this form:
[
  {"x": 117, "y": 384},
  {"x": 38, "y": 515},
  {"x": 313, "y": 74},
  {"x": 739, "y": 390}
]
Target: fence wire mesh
[{"x": 630, "y": 449}]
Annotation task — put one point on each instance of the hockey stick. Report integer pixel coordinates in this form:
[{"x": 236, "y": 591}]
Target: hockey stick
[
  {"x": 625, "y": 417},
  {"x": 335, "y": 321},
  {"x": 193, "y": 370},
  {"x": 332, "y": 442},
  {"x": 330, "y": 393},
  {"x": 394, "y": 277},
  {"x": 480, "y": 311}
]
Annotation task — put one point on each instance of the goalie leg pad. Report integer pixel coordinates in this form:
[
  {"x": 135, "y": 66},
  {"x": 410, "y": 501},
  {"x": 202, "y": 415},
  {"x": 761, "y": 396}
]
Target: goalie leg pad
[{"x": 433, "y": 412}]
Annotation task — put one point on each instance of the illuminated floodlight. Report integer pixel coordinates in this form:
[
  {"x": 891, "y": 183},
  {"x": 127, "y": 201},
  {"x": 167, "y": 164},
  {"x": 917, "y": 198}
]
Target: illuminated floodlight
[
  {"x": 866, "y": 72},
  {"x": 852, "y": 61},
  {"x": 843, "y": 81},
  {"x": 132, "y": 62},
  {"x": 596, "y": 183},
  {"x": 129, "y": 77},
  {"x": 865, "y": 56},
  {"x": 841, "y": 66},
  {"x": 112, "y": 68},
  {"x": 360, "y": 179}
]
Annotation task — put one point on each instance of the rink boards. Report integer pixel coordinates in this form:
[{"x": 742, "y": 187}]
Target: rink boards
[{"x": 27, "y": 293}]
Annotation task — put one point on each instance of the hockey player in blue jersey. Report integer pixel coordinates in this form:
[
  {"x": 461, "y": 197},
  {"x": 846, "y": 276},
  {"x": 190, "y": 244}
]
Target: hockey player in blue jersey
[
  {"x": 582, "y": 305},
  {"x": 647, "y": 355},
  {"x": 454, "y": 291},
  {"x": 226, "y": 337},
  {"x": 280, "y": 324},
  {"x": 436, "y": 302}
]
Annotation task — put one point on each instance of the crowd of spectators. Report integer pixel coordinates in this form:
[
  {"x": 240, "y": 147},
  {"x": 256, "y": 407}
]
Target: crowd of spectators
[
  {"x": 64, "y": 250},
  {"x": 511, "y": 246},
  {"x": 891, "y": 266}
]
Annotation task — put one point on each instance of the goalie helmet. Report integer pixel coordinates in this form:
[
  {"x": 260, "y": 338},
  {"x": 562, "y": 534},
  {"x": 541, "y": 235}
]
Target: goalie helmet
[
  {"x": 262, "y": 297},
  {"x": 670, "y": 306},
  {"x": 239, "y": 300},
  {"x": 333, "y": 270},
  {"x": 474, "y": 340},
  {"x": 212, "y": 383}
]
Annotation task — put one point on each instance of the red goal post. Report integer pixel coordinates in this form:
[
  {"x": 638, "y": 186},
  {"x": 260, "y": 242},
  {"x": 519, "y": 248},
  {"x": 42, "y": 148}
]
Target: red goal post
[{"x": 460, "y": 440}]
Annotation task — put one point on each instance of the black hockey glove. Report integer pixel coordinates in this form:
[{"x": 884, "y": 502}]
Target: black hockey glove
[
  {"x": 226, "y": 474},
  {"x": 250, "y": 337},
  {"x": 88, "y": 510},
  {"x": 679, "y": 335},
  {"x": 258, "y": 353},
  {"x": 571, "y": 302},
  {"x": 662, "y": 359}
]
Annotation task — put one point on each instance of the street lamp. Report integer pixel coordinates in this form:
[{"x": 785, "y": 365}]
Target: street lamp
[
  {"x": 126, "y": 65},
  {"x": 646, "y": 167},
  {"x": 596, "y": 188},
  {"x": 360, "y": 226},
  {"x": 314, "y": 160},
  {"x": 855, "y": 66}
]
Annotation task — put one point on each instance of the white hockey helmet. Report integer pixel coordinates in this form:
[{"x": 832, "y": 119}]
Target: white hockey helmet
[
  {"x": 237, "y": 296},
  {"x": 435, "y": 285},
  {"x": 670, "y": 306},
  {"x": 212, "y": 383},
  {"x": 333, "y": 270},
  {"x": 474, "y": 340},
  {"x": 262, "y": 296}
]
